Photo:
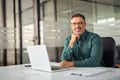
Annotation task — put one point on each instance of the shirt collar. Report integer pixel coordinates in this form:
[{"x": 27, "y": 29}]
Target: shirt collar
[{"x": 84, "y": 35}]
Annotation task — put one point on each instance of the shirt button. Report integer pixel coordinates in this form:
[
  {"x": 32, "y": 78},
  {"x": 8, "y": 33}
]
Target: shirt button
[{"x": 70, "y": 51}]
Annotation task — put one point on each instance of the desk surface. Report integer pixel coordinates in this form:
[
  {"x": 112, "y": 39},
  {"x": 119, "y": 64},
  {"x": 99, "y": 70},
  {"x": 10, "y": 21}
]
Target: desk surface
[{"x": 20, "y": 72}]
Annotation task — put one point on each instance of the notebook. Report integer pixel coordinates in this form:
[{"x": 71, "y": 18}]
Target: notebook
[{"x": 39, "y": 59}]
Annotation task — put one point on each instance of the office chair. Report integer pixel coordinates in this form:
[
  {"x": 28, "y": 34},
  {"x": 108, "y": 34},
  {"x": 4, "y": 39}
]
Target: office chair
[
  {"x": 108, "y": 51},
  {"x": 117, "y": 61}
]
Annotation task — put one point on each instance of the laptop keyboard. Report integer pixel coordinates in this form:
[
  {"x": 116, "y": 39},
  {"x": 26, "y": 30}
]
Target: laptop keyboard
[{"x": 56, "y": 67}]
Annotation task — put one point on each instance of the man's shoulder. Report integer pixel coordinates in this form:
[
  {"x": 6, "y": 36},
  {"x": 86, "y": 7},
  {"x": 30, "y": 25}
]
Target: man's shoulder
[
  {"x": 68, "y": 37},
  {"x": 93, "y": 35}
]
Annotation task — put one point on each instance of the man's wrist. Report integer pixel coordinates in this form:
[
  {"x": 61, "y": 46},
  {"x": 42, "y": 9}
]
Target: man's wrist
[
  {"x": 71, "y": 45},
  {"x": 65, "y": 63},
  {"x": 71, "y": 64}
]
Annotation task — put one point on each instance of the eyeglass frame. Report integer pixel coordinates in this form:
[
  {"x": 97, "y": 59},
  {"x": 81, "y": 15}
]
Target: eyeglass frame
[{"x": 78, "y": 23}]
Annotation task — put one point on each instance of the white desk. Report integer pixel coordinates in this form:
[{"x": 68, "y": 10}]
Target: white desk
[{"x": 20, "y": 72}]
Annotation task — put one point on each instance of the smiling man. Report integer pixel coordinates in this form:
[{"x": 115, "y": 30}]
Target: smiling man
[{"x": 82, "y": 48}]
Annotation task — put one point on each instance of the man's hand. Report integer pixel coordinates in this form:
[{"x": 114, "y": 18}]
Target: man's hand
[
  {"x": 74, "y": 38},
  {"x": 65, "y": 63}
]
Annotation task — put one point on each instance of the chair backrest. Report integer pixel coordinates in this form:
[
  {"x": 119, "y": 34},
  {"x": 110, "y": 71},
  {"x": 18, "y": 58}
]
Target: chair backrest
[
  {"x": 108, "y": 51},
  {"x": 117, "y": 59}
]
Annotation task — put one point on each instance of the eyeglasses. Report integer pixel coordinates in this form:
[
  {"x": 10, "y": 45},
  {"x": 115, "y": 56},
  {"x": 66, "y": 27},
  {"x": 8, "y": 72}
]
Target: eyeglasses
[{"x": 78, "y": 23}]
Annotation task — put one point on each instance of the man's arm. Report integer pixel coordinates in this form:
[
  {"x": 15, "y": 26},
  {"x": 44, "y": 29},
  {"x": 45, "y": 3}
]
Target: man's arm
[
  {"x": 74, "y": 38},
  {"x": 65, "y": 63},
  {"x": 95, "y": 55},
  {"x": 67, "y": 52},
  {"x": 93, "y": 60}
]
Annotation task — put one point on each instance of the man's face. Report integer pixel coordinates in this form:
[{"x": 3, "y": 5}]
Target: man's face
[{"x": 78, "y": 25}]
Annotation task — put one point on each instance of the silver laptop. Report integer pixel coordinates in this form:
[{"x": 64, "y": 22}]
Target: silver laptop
[{"x": 39, "y": 59}]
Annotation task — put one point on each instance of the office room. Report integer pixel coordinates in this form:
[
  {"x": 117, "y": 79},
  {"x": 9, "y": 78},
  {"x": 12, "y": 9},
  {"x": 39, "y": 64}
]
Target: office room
[{"x": 47, "y": 22}]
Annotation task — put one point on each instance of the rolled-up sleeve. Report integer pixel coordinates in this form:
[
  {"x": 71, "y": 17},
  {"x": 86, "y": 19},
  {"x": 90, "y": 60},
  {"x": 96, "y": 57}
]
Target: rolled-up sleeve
[{"x": 67, "y": 51}]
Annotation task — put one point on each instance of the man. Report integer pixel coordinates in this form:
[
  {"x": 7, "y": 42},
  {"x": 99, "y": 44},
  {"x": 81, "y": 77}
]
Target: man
[{"x": 82, "y": 48}]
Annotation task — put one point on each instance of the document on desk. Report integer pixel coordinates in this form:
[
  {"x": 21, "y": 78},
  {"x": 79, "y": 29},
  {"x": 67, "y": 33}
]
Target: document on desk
[{"x": 88, "y": 72}]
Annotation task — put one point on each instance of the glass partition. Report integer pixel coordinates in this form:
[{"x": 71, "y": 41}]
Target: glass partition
[
  {"x": 108, "y": 21},
  {"x": 1, "y": 24},
  {"x": 102, "y": 17},
  {"x": 27, "y": 27}
]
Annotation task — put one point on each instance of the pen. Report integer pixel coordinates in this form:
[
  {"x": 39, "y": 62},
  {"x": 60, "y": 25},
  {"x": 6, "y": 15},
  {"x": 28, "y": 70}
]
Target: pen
[{"x": 76, "y": 74}]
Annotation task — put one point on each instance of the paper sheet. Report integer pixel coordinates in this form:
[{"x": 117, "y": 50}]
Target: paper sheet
[{"x": 88, "y": 72}]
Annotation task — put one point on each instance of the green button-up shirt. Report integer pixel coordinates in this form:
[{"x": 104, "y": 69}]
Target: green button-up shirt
[{"x": 87, "y": 51}]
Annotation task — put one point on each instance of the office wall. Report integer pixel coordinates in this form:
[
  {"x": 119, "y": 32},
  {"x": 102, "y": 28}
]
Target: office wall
[
  {"x": 1, "y": 21},
  {"x": 108, "y": 21},
  {"x": 10, "y": 30},
  {"x": 0, "y": 31},
  {"x": 7, "y": 32}
]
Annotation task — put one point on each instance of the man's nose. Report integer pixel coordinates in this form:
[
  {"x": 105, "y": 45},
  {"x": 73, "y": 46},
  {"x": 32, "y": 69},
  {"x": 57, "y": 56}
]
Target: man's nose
[{"x": 77, "y": 25}]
